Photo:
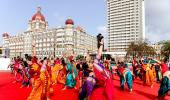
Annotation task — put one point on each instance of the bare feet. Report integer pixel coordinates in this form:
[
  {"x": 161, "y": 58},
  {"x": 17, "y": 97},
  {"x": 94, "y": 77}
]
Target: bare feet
[
  {"x": 75, "y": 88},
  {"x": 14, "y": 82},
  {"x": 48, "y": 98},
  {"x": 130, "y": 90},
  {"x": 21, "y": 86},
  {"x": 64, "y": 89}
]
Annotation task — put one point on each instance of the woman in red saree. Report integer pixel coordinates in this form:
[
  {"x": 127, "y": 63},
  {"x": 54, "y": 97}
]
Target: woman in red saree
[{"x": 104, "y": 82}]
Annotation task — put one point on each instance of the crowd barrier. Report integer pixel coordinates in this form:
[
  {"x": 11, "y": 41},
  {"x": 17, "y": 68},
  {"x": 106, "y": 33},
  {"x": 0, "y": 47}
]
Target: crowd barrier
[{"x": 4, "y": 62}]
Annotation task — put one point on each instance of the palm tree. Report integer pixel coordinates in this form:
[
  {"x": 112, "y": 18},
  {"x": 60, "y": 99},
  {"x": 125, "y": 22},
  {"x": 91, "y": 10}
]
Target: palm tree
[{"x": 165, "y": 50}]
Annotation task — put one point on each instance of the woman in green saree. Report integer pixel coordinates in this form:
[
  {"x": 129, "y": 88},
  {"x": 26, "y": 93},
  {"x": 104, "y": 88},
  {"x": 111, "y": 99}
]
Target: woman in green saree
[{"x": 71, "y": 75}]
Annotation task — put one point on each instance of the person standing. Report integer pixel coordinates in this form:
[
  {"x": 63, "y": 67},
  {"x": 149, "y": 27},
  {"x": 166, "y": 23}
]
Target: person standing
[
  {"x": 125, "y": 76},
  {"x": 103, "y": 77},
  {"x": 71, "y": 75}
]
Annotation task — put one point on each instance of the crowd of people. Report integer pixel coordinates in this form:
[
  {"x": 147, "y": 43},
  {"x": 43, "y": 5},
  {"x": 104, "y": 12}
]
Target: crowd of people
[{"x": 86, "y": 76}]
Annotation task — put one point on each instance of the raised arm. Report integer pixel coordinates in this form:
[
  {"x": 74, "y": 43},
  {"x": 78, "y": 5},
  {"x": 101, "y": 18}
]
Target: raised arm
[
  {"x": 100, "y": 41},
  {"x": 100, "y": 50},
  {"x": 34, "y": 49}
]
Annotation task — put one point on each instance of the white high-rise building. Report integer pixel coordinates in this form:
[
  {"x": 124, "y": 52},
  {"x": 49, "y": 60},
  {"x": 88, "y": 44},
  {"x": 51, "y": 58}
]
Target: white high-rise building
[{"x": 126, "y": 20}]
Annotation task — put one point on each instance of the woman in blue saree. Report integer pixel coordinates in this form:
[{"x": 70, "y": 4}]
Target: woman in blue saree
[
  {"x": 71, "y": 75},
  {"x": 125, "y": 77}
]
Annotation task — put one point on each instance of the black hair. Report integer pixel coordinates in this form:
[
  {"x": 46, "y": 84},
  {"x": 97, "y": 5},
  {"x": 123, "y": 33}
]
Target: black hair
[
  {"x": 45, "y": 58},
  {"x": 26, "y": 56},
  {"x": 41, "y": 61},
  {"x": 99, "y": 38},
  {"x": 78, "y": 66},
  {"x": 63, "y": 62},
  {"x": 85, "y": 66},
  {"x": 29, "y": 58}
]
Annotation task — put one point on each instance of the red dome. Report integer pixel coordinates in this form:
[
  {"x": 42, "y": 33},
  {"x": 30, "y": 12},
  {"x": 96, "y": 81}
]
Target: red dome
[
  {"x": 5, "y": 34},
  {"x": 69, "y": 21},
  {"x": 38, "y": 15}
]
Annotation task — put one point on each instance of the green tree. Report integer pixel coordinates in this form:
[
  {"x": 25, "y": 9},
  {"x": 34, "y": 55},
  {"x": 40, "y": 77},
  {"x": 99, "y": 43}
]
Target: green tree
[
  {"x": 81, "y": 57},
  {"x": 165, "y": 50},
  {"x": 140, "y": 49}
]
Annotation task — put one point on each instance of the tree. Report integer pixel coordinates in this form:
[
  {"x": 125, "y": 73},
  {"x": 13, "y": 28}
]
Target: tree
[
  {"x": 165, "y": 50},
  {"x": 0, "y": 51},
  {"x": 140, "y": 49},
  {"x": 81, "y": 57}
]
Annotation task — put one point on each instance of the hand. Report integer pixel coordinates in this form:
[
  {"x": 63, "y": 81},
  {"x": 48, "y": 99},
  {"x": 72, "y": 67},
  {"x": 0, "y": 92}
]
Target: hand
[
  {"x": 33, "y": 43},
  {"x": 102, "y": 42}
]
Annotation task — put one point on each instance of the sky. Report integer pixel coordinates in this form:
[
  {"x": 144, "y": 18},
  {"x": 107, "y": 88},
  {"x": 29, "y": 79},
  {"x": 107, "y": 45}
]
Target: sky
[{"x": 90, "y": 14}]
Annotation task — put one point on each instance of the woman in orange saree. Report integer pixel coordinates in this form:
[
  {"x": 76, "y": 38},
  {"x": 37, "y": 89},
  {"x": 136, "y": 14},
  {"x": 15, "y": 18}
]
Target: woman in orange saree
[
  {"x": 148, "y": 74},
  {"x": 45, "y": 80},
  {"x": 36, "y": 92},
  {"x": 55, "y": 71},
  {"x": 61, "y": 78}
]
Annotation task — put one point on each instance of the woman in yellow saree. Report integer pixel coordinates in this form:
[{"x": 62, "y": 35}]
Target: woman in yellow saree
[
  {"x": 55, "y": 70},
  {"x": 148, "y": 74}
]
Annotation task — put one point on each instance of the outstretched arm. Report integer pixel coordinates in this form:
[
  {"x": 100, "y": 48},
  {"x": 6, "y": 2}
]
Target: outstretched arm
[
  {"x": 100, "y": 50},
  {"x": 34, "y": 49}
]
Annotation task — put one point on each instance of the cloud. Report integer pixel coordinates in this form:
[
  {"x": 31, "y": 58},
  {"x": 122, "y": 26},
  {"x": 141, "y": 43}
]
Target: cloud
[
  {"x": 103, "y": 31},
  {"x": 157, "y": 20}
]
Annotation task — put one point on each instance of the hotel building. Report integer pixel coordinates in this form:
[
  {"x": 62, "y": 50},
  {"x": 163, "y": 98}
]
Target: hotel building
[{"x": 55, "y": 42}]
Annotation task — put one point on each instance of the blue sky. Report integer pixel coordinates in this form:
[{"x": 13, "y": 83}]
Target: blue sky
[
  {"x": 15, "y": 14},
  {"x": 90, "y": 14}
]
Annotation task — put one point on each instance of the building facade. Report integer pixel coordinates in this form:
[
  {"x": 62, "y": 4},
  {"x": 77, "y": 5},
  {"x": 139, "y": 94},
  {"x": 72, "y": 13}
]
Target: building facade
[
  {"x": 126, "y": 20},
  {"x": 55, "y": 42}
]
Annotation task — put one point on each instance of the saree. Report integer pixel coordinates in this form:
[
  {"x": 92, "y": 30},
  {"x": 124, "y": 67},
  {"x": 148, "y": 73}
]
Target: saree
[
  {"x": 61, "y": 77},
  {"x": 45, "y": 83},
  {"x": 103, "y": 81},
  {"x": 70, "y": 78},
  {"x": 165, "y": 84},
  {"x": 87, "y": 87},
  {"x": 36, "y": 93},
  {"x": 127, "y": 77},
  {"x": 55, "y": 71},
  {"x": 149, "y": 75}
]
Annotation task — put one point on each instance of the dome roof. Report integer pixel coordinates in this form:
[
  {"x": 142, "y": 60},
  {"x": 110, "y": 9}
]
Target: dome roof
[
  {"x": 5, "y": 34},
  {"x": 69, "y": 21},
  {"x": 38, "y": 15}
]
